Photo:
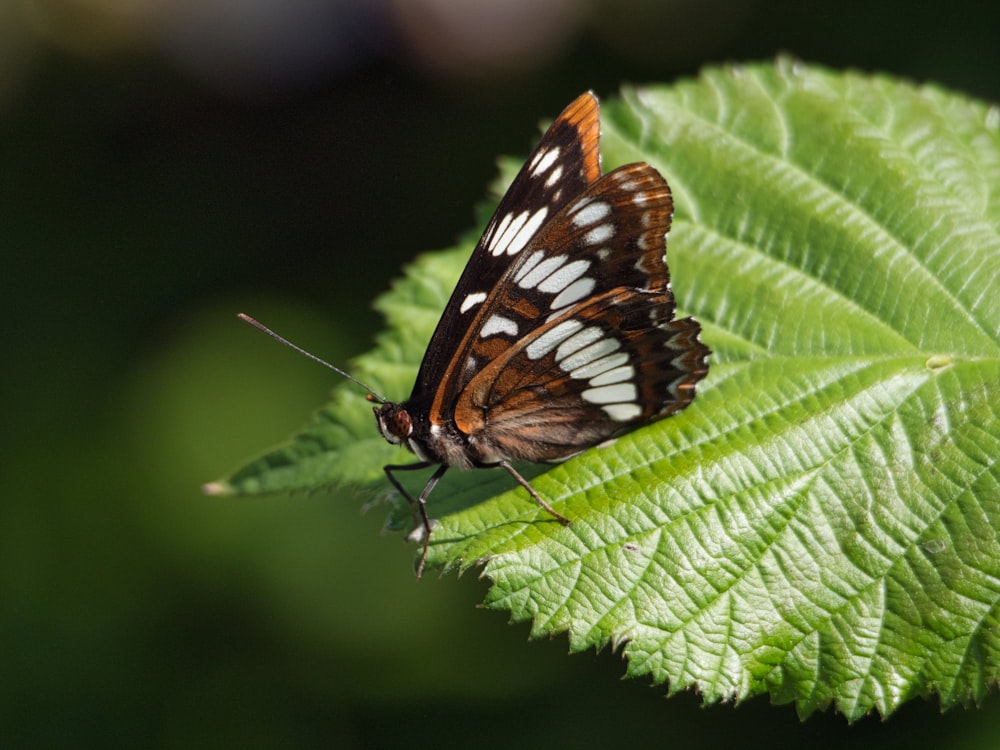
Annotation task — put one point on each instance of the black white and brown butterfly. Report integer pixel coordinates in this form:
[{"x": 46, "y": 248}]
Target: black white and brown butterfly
[{"x": 560, "y": 333}]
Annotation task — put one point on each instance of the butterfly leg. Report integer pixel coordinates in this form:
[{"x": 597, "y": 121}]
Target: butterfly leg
[
  {"x": 418, "y": 506},
  {"x": 531, "y": 491}
]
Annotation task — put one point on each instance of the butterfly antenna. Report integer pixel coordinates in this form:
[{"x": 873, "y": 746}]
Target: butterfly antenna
[{"x": 372, "y": 395}]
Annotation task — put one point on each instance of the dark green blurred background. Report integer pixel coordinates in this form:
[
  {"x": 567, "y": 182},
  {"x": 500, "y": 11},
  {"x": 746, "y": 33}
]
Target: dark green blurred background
[{"x": 166, "y": 164}]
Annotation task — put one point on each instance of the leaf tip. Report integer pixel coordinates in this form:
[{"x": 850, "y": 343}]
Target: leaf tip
[{"x": 216, "y": 489}]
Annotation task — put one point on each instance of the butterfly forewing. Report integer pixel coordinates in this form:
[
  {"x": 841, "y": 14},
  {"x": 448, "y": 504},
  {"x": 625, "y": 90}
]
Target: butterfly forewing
[
  {"x": 565, "y": 162},
  {"x": 609, "y": 236}
]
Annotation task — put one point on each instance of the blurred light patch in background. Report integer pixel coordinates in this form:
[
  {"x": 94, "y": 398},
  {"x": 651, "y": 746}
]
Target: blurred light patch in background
[
  {"x": 471, "y": 38},
  {"x": 248, "y": 45},
  {"x": 259, "y": 49},
  {"x": 16, "y": 50},
  {"x": 248, "y": 48}
]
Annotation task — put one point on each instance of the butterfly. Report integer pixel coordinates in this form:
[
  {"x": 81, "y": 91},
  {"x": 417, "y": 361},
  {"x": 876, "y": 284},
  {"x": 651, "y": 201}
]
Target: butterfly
[{"x": 560, "y": 333}]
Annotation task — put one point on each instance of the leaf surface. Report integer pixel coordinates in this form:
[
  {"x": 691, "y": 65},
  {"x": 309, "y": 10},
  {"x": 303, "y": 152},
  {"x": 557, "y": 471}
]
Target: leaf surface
[{"x": 821, "y": 524}]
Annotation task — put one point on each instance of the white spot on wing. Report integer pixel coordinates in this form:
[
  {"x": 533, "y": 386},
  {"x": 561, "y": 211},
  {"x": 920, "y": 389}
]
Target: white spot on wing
[
  {"x": 591, "y": 213},
  {"x": 564, "y": 276},
  {"x": 554, "y": 177},
  {"x": 594, "y": 359},
  {"x": 524, "y": 233},
  {"x": 575, "y": 343},
  {"x": 544, "y": 160},
  {"x": 498, "y": 324},
  {"x": 622, "y": 412},
  {"x": 552, "y": 338},
  {"x": 539, "y": 271},
  {"x": 498, "y": 230},
  {"x": 510, "y": 226},
  {"x": 617, "y": 393},
  {"x": 530, "y": 262},
  {"x": 617, "y": 375},
  {"x": 573, "y": 293},
  {"x": 471, "y": 300},
  {"x": 600, "y": 234}
]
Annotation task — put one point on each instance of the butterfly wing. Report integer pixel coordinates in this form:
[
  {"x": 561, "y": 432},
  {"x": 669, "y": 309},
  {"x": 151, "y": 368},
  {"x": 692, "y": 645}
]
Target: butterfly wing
[
  {"x": 561, "y": 330},
  {"x": 590, "y": 347},
  {"x": 597, "y": 370},
  {"x": 565, "y": 162},
  {"x": 609, "y": 237}
]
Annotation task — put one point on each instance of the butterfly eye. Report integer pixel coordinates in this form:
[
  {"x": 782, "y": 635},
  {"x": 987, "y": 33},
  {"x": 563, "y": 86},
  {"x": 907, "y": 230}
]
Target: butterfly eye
[{"x": 394, "y": 422}]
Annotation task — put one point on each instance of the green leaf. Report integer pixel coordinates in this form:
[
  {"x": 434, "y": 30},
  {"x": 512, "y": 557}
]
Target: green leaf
[{"x": 822, "y": 523}]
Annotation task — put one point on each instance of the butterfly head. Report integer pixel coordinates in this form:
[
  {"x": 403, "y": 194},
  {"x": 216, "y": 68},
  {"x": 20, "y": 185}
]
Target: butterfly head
[{"x": 394, "y": 422}]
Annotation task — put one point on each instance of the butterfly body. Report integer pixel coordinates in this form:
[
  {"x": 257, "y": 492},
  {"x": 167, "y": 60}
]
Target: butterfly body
[{"x": 560, "y": 333}]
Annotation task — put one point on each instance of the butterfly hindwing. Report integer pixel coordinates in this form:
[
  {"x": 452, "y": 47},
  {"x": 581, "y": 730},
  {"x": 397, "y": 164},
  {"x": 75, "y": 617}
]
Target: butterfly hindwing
[{"x": 596, "y": 370}]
